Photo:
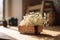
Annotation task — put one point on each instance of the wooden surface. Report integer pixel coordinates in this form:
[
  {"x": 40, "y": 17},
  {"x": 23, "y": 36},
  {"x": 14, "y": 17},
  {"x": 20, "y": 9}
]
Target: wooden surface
[
  {"x": 4, "y": 36},
  {"x": 49, "y": 33}
]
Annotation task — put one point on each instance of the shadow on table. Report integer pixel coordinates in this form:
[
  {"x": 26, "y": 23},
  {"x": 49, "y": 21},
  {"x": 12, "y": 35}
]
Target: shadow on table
[
  {"x": 4, "y": 39},
  {"x": 57, "y": 37},
  {"x": 44, "y": 36}
]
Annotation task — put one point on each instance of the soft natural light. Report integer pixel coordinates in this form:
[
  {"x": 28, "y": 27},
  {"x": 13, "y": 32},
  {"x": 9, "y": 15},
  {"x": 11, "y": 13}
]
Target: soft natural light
[{"x": 1, "y": 9}]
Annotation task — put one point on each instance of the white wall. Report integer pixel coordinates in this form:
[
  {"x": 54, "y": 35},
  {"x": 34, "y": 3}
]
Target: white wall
[
  {"x": 17, "y": 9},
  {"x": 6, "y": 9}
]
